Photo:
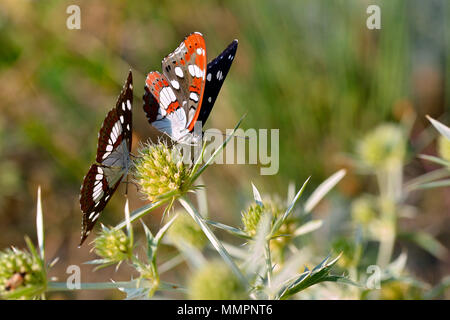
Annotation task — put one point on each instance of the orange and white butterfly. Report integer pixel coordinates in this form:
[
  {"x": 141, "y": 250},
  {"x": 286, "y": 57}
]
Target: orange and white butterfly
[{"x": 184, "y": 94}]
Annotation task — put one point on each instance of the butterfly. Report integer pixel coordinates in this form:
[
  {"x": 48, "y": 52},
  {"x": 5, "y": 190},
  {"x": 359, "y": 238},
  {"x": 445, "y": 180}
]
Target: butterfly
[
  {"x": 113, "y": 159},
  {"x": 184, "y": 94}
]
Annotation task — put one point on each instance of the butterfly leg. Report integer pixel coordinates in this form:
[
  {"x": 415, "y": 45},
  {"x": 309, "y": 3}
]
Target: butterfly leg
[
  {"x": 135, "y": 156},
  {"x": 130, "y": 182}
]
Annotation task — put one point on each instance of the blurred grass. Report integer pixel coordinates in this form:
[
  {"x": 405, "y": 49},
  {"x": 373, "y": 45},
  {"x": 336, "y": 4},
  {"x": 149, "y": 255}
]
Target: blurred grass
[{"x": 310, "y": 68}]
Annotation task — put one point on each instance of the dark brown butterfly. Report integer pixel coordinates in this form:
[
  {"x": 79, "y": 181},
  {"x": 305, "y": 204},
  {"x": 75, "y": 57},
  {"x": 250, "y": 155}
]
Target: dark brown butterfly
[{"x": 113, "y": 160}]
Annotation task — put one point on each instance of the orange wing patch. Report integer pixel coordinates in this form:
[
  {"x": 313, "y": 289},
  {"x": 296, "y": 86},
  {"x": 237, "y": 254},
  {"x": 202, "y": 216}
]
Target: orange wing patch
[
  {"x": 163, "y": 93},
  {"x": 195, "y": 45}
]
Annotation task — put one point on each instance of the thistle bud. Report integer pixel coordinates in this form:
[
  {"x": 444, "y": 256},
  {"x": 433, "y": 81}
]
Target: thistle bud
[
  {"x": 215, "y": 281},
  {"x": 383, "y": 147},
  {"x": 113, "y": 245},
  {"x": 21, "y": 275},
  {"x": 185, "y": 231},
  {"x": 251, "y": 218},
  {"x": 363, "y": 210},
  {"x": 160, "y": 170}
]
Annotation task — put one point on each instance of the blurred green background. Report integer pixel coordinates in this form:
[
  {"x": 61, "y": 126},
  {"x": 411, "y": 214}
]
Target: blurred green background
[{"x": 310, "y": 68}]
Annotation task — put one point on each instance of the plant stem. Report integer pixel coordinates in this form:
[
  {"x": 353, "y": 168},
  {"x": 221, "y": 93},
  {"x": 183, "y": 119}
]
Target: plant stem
[
  {"x": 390, "y": 181},
  {"x": 137, "y": 214},
  {"x": 213, "y": 239},
  {"x": 268, "y": 265},
  {"x": 62, "y": 286}
]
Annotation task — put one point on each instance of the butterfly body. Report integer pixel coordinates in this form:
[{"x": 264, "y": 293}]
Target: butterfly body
[
  {"x": 184, "y": 94},
  {"x": 113, "y": 160}
]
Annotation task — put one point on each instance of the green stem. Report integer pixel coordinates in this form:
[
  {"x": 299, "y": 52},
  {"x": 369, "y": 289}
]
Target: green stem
[
  {"x": 390, "y": 181},
  {"x": 268, "y": 265},
  {"x": 213, "y": 239},
  {"x": 137, "y": 214},
  {"x": 62, "y": 286}
]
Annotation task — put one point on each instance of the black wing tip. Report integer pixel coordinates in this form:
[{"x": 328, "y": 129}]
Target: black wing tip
[
  {"x": 83, "y": 238},
  {"x": 232, "y": 47},
  {"x": 130, "y": 76},
  {"x": 233, "y": 44}
]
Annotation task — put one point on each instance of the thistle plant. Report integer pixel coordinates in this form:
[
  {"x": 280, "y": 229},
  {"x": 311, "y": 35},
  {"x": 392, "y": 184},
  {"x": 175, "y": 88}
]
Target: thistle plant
[
  {"x": 215, "y": 281},
  {"x": 23, "y": 273},
  {"x": 185, "y": 231},
  {"x": 113, "y": 246},
  {"x": 439, "y": 177},
  {"x": 266, "y": 261},
  {"x": 382, "y": 153},
  {"x": 160, "y": 172}
]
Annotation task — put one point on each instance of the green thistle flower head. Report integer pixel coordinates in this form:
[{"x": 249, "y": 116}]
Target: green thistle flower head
[
  {"x": 215, "y": 281},
  {"x": 185, "y": 231},
  {"x": 22, "y": 275},
  {"x": 444, "y": 148},
  {"x": 160, "y": 170},
  {"x": 364, "y": 210},
  {"x": 252, "y": 216},
  {"x": 383, "y": 147},
  {"x": 113, "y": 245},
  {"x": 397, "y": 290}
]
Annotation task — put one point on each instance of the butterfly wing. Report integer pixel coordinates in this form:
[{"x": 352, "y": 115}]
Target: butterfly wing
[
  {"x": 185, "y": 71},
  {"x": 94, "y": 195},
  {"x": 123, "y": 107},
  {"x": 116, "y": 128},
  {"x": 216, "y": 73},
  {"x": 162, "y": 106},
  {"x": 114, "y": 146}
]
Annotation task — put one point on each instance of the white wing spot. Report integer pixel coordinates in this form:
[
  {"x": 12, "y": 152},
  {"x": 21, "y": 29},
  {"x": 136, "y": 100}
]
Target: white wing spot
[
  {"x": 171, "y": 94},
  {"x": 97, "y": 188},
  {"x": 128, "y": 105},
  {"x": 179, "y": 72},
  {"x": 193, "y": 96},
  {"x": 123, "y": 106},
  {"x": 121, "y": 119},
  {"x": 209, "y": 99},
  {"x": 166, "y": 97},
  {"x": 208, "y": 77},
  {"x": 191, "y": 70},
  {"x": 199, "y": 51},
  {"x": 97, "y": 193},
  {"x": 198, "y": 72},
  {"x": 175, "y": 84},
  {"x": 219, "y": 75}
]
